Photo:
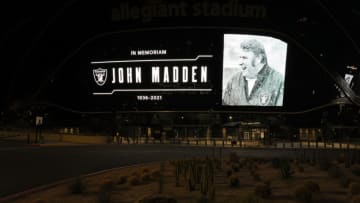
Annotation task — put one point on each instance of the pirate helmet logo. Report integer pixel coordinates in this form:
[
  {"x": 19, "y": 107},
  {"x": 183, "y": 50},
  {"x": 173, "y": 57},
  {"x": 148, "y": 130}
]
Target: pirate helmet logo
[
  {"x": 100, "y": 76},
  {"x": 264, "y": 99}
]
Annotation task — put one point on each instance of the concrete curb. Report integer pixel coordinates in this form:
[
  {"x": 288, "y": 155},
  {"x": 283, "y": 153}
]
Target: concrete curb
[{"x": 44, "y": 187}]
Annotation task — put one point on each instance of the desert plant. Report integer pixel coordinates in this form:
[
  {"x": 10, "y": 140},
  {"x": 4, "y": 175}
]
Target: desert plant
[
  {"x": 256, "y": 176},
  {"x": 155, "y": 174},
  {"x": 77, "y": 187},
  {"x": 145, "y": 177},
  {"x": 134, "y": 180},
  {"x": 122, "y": 179},
  {"x": 354, "y": 188},
  {"x": 276, "y": 162},
  {"x": 285, "y": 170},
  {"x": 204, "y": 199},
  {"x": 234, "y": 181},
  {"x": 335, "y": 172},
  {"x": 312, "y": 186},
  {"x": 262, "y": 190},
  {"x": 40, "y": 201},
  {"x": 104, "y": 195},
  {"x": 355, "y": 199},
  {"x": 355, "y": 170},
  {"x": 324, "y": 164},
  {"x": 156, "y": 199},
  {"x": 303, "y": 194},
  {"x": 235, "y": 167},
  {"x": 229, "y": 172},
  {"x": 249, "y": 198},
  {"x": 233, "y": 157},
  {"x": 345, "y": 181},
  {"x": 161, "y": 178}
]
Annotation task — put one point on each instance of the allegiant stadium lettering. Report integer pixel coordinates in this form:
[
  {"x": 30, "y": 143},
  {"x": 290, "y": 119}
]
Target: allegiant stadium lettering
[{"x": 160, "y": 74}]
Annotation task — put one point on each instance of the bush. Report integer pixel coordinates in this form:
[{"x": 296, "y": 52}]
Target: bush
[
  {"x": 229, "y": 172},
  {"x": 250, "y": 198},
  {"x": 107, "y": 185},
  {"x": 122, "y": 179},
  {"x": 303, "y": 194},
  {"x": 105, "y": 192},
  {"x": 77, "y": 187},
  {"x": 300, "y": 168},
  {"x": 155, "y": 174},
  {"x": 355, "y": 170},
  {"x": 256, "y": 176},
  {"x": 235, "y": 167},
  {"x": 276, "y": 162},
  {"x": 324, "y": 164},
  {"x": 203, "y": 199},
  {"x": 146, "y": 177},
  {"x": 234, "y": 158},
  {"x": 355, "y": 199},
  {"x": 312, "y": 186},
  {"x": 345, "y": 182},
  {"x": 157, "y": 199},
  {"x": 285, "y": 170},
  {"x": 335, "y": 171},
  {"x": 40, "y": 201},
  {"x": 145, "y": 170},
  {"x": 341, "y": 158},
  {"x": 262, "y": 190},
  {"x": 354, "y": 188},
  {"x": 234, "y": 181},
  {"x": 134, "y": 180}
]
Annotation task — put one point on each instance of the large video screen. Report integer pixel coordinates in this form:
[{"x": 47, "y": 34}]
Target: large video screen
[{"x": 253, "y": 70}]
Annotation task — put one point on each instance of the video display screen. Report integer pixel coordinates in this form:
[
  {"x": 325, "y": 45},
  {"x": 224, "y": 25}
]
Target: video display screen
[{"x": 254, "y": 69}]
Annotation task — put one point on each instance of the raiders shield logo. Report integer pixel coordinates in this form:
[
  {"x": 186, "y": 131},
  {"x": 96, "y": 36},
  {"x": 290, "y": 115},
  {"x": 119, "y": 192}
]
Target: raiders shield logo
[
  {"x": 264, "y": 99},
  {"x": 100, "y": 76}
]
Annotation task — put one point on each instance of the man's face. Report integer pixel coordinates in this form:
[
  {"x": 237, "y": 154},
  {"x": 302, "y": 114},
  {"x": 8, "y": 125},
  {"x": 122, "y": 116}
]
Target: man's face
[{"x": 250, "y": 64}]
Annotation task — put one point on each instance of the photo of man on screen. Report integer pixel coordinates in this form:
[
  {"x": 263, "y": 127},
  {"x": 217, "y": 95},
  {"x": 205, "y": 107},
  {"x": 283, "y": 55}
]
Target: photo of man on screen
[{"x": 254, "y": 83}]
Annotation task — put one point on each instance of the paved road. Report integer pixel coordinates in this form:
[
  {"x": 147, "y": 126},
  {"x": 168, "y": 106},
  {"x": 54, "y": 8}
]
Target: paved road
[{"x": 24, "y": 167}]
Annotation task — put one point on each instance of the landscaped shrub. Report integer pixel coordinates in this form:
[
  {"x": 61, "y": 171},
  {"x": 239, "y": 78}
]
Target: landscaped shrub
[
  {"x": 262, "y": 190},
  {"x": 354, "y": 188},
  {"x": 285, "y": 170},
  {"x": 233, "y": 157},
  {"x": 250, "y": 198},
  {"x": 312, "y": 186},
  {"x": 229, "y": 172},
  {"x": 235, "y": 167},
  {"x": 234, "y": 181},
  {"x": 146, "y": 177},
  {"x": 256, "y": 176},
  {"x": 324, "y": 164},
  {"x": 355, "y": 199},
  {"x": 157, "y": 199},
  {"x": 303, "y": 194},
  {"x": 134, "y": 180},
  {"x": 341, "y": 158},
  {"x": 345, "y": 181},
  {"x": 155, "y": 174},
  {"x": 300, "y": 168},
  {"x": 104, "y": 195},
  {"x": 355, "y": 170},
  {"x": 122, "y": 179},
  {"x": 40, "y": 201},
  {"x": 203, "y": 199},
  {"x": 276, "y": 162},
  {"x": 77, "y": 187},
  {"x": 335, "y": 171}
]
